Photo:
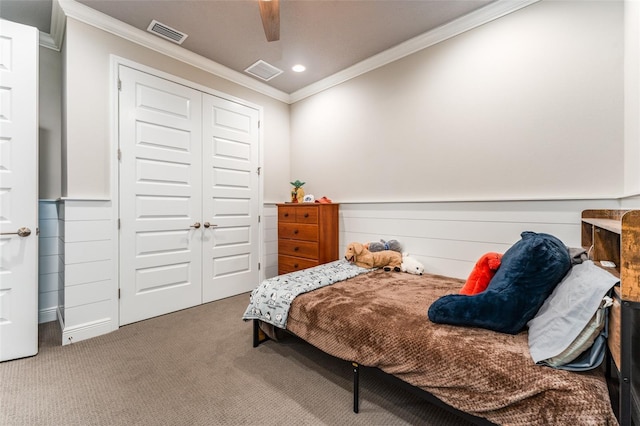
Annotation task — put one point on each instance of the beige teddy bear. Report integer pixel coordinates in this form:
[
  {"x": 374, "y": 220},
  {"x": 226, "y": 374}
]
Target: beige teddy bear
[{"x": 387, "y": 259}]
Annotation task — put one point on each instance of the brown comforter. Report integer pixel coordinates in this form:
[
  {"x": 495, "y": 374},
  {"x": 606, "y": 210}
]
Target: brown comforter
[{"x": 380, "y": 320}]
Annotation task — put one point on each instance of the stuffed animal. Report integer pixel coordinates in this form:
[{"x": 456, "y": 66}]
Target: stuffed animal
[
  {"x": 387, "y": 259},
  {"x": 484, "y": 269},
  {"x": 384, "y": 245},
  {"x": 411, "y": 265}
]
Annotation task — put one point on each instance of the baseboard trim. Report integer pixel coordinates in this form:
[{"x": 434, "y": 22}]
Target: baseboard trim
[
  {"x": 48, "y": 314},
  {"x": 86, "y": 331},
  {"x": 60, "y": 317}
]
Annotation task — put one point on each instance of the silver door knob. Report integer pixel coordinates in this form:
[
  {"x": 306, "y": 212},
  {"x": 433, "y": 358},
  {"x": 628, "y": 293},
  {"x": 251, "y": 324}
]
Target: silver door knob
[
  {"x": 209, "y": 225},
  {"x": 195, "y": 225},
  {"x": 22, "y": 232}
]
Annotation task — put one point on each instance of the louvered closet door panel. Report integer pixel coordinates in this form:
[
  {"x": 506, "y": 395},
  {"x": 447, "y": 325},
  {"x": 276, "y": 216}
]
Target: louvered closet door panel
[
  {"x": 231, "y": 190},
  {"x": 160, "y": 196}
]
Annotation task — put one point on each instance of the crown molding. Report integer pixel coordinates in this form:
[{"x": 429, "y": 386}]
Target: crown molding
[
  {"x": 87, "y": 15},
  {"x": 465, "y": 23},
  {"x": 45, "y": 40},
  {"x": 90, "y": 16},
  {"x": 53, "y": 41}
]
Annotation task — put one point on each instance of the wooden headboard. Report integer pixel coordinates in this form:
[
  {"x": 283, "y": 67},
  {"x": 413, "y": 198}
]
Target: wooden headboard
[{"x": 614, "y": 236}]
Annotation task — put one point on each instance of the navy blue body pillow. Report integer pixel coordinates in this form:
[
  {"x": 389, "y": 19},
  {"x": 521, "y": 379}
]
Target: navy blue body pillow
[{"x": 527, "y": 275}]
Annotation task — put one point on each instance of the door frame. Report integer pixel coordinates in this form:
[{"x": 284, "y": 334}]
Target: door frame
[{"x": 115, "y": 63}]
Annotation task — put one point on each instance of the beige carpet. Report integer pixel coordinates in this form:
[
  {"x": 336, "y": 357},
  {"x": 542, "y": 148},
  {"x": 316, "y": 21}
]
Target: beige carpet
[{"x": 196, "y": 367}]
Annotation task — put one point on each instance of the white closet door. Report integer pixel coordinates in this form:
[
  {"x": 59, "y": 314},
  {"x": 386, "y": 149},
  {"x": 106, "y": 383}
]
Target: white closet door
[
  {"x": 231, "y": 198},
  {"x": 160, "y": 196},
  {"x": 18, "y": 190}
]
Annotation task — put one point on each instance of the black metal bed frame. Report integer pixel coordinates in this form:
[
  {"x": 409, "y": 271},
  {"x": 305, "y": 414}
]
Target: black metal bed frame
[{"x": 260, "y": 336}]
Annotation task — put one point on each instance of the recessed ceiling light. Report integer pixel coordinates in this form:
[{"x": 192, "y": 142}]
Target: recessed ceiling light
[{"x": 298, "y": 68}]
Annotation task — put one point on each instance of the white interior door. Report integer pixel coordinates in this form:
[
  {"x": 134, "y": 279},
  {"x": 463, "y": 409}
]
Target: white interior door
[
  {"x": 18, "y": 190},
  {"x": 160, "y": 196},
  {"x": 231, "y": 198}
]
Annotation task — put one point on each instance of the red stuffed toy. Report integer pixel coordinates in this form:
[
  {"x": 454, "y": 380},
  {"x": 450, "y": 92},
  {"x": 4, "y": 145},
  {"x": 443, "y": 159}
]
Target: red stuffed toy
[{"x": 481, "y": 274}]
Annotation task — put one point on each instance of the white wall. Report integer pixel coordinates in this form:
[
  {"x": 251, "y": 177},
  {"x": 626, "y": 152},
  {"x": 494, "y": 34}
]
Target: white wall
[
  {"x": 87, "y": 150},
  {"x": 632, "y": 96},
  {"x": 49, "y": 264},
  {"x": 50, "y": 118},
  {"x": 520, "y": 108},
  {"x": 49, "y": 181}
]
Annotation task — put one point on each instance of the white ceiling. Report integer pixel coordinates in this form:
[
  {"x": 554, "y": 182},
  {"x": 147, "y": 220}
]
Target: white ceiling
[{"x": 327, "y": 36}]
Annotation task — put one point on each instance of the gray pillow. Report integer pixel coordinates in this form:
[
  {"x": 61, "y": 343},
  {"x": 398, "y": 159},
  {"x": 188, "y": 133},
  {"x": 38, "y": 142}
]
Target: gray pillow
[
  {"x": 584, "y": 340},
  {"x": 568, "y": 310}
]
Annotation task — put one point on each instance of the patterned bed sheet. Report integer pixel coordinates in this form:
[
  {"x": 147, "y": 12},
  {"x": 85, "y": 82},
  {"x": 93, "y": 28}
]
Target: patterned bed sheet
[{"x": 271, "y": 300}]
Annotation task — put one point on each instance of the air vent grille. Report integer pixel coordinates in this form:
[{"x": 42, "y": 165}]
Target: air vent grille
[
  {"x": 263, "y": 70},
  {"x": 166, "y": 32}
]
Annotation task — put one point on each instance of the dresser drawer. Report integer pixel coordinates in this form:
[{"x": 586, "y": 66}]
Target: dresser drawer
[
  {"x": 288, "y": 264},
  {"x": 298, "y": 231},
  {"x": 299, "y": 214},
  {"x": 307, "y": 215},
  {"x": 286, "y": 214},
  {"x": 307, "y": 249}
]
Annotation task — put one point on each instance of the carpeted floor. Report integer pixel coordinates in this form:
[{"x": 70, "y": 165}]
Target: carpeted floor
[{"x": 196, "y": 367}]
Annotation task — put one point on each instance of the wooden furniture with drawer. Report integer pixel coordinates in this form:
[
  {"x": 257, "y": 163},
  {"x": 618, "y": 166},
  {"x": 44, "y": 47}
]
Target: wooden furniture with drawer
[
  {"x": 614, "y": 236},
  {"x": 307, "y": 235}
]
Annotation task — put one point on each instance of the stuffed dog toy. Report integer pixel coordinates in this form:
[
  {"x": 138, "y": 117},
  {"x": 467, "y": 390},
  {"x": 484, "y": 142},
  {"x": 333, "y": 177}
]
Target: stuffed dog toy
[
  {"x": 411, "y": 265},
  {"x": 375, "y": 246},
  {"x": 387, "y": 259}
]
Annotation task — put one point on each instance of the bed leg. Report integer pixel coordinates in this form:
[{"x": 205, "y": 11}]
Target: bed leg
[
  {"x": 626, "y": 335},
  {"x": 258, "y": 335},
  {"x": 356, "y": 387}
]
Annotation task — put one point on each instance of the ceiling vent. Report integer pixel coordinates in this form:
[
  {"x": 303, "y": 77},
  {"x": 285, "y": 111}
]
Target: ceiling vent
[
  {"x": 263, "y": 70},
  {"x": 166, "y": 32}
]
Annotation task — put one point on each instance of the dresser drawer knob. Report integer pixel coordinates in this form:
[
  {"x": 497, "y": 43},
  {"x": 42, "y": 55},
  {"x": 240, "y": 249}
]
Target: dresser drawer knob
[
  {"x": 296, "y": 248},
  {"x": 295, "y": 265},
  {"x": 295, "y": 231},
  {"x": 286, "y": 215},
  {"x": 306, "y": 215}
]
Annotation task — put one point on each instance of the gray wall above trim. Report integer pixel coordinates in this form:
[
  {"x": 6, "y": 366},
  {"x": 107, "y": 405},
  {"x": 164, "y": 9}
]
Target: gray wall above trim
[{"x": 529, "y": 106}]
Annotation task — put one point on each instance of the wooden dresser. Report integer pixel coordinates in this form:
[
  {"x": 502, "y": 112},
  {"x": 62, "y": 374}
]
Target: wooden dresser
[{"x": 307, "y": 235}]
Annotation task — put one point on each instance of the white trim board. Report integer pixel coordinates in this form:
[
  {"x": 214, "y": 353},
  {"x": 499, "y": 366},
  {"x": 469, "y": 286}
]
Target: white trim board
[
  {"x": 53, "y": 41},
  {"x": 493, "y": 11},
  {"x": 86, "y": 331}
]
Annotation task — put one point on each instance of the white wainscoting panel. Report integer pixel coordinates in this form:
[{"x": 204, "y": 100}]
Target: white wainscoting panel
[
  {"x": 90, "y": 303},
  {"x": 48, "y": 260},
  {"x": 270, "y": 240},
  {"x": 631, "y": 202},
  {"x": 449, "y": 237}
]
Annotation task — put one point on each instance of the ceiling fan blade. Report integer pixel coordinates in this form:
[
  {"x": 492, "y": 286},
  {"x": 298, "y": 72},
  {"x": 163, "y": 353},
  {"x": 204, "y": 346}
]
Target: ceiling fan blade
[{"x": 270, "y": 14}]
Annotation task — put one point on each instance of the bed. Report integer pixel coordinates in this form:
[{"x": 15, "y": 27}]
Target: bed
[{"x": 379, "y": 319}]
